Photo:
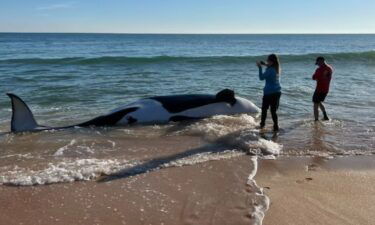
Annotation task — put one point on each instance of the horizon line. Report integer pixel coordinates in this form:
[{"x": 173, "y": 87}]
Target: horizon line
[{"x": 186, "y": 33}]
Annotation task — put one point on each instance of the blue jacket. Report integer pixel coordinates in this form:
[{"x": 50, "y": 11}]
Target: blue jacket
[{"x": 272, "y": 80}]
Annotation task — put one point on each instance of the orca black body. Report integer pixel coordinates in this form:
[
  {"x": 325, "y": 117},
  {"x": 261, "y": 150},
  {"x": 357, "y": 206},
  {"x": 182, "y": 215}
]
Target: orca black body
[{"x": 159, "y": 109}]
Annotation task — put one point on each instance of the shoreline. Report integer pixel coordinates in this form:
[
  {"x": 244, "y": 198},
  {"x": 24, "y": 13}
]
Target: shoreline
[{"x": 301, "y": 190}]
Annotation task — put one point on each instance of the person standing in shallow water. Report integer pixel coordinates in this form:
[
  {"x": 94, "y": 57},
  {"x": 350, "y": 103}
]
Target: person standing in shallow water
[
  {"x": 323, "y": 76},
  {"x": 272, "y": 89}
]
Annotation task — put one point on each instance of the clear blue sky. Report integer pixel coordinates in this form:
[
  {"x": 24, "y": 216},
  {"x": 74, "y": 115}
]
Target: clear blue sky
[{"x": 188, "y": 16}]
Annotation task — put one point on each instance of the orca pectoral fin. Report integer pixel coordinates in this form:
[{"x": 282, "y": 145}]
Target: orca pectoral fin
[
  {"x": 108, "y": 120},
  {"x": 22, "y": 117}
]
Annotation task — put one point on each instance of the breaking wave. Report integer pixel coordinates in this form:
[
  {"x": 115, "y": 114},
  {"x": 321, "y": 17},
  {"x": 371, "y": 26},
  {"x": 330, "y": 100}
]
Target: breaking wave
[{"x": 368, "y": 56}]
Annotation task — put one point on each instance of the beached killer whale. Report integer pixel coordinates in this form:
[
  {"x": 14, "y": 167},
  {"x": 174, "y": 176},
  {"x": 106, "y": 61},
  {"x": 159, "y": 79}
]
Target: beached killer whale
[{"x": 154, "y": 110}]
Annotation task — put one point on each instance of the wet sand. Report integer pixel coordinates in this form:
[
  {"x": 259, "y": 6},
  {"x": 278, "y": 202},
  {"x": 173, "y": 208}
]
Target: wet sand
[
  {"x": 319, "y": 191},
  {"x": 209, "y": 193},
  {"x": 301, "y": 190}
]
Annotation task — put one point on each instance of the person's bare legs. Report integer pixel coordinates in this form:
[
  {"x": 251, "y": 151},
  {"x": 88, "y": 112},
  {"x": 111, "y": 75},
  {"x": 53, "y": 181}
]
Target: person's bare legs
[
  {"x": 316, "y": 111},
  {"x": 324, "y": 111}
]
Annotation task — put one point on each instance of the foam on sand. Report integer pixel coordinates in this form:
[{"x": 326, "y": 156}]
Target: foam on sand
[
  {"x": 89, "y": 169},
  {"x": 66, "y": 171},
  {"x": 235, "y": 131},
  {"x": 260, "y": 202}
]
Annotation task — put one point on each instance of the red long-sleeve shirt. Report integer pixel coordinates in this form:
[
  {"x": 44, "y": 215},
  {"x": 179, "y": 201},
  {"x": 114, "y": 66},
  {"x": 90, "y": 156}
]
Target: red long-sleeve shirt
[{"x": 323, "y": 76}]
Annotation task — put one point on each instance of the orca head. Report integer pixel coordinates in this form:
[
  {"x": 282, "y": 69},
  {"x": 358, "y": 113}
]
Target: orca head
[
  {"x": 238, "y": 104},
  {"x": 226, "y": 95}
]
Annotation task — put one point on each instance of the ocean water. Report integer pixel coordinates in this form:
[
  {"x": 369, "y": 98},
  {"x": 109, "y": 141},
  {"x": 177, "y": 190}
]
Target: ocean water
[{"x": 69, "y": 78}]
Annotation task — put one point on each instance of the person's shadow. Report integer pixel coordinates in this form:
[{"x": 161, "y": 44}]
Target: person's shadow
[{"x": 220, "y": 145}]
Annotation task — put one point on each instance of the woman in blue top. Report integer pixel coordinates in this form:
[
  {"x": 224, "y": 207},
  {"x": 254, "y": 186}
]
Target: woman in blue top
[{"x": 272, "y": 89}]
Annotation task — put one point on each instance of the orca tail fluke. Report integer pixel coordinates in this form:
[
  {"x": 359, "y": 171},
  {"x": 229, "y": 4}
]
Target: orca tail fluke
[{"x": 22, "y": 117}]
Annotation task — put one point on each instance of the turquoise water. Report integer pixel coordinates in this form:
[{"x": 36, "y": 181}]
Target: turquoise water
[{"x": 69, "y": 78}]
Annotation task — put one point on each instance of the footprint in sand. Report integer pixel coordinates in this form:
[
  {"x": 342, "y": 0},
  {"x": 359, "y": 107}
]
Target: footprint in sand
[{"x": 307, "y": 179}]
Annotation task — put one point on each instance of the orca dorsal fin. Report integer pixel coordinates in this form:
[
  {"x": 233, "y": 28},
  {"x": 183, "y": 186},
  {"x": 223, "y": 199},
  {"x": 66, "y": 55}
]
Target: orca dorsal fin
[
  {"x": 226, "y": 95},
  {"x": 22, "y": 117}
]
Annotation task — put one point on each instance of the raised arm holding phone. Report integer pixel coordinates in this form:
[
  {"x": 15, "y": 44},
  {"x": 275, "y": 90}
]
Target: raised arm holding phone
[{"x": 272, "y": 89}]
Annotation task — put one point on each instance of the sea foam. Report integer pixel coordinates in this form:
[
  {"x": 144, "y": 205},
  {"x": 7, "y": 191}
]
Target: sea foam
[
  {"x": 89, "y": 169},
  {"x": 260, "y": 202},
  {"x": 238, "y": 132}
]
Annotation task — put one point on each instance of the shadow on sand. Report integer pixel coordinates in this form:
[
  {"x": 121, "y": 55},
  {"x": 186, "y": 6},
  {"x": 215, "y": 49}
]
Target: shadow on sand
[
  {"x": 220, "y": 145},
  {"x": 158, "y": 163}
]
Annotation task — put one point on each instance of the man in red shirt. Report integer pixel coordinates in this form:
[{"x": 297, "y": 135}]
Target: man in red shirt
[{"x": 323, "y": 76}]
